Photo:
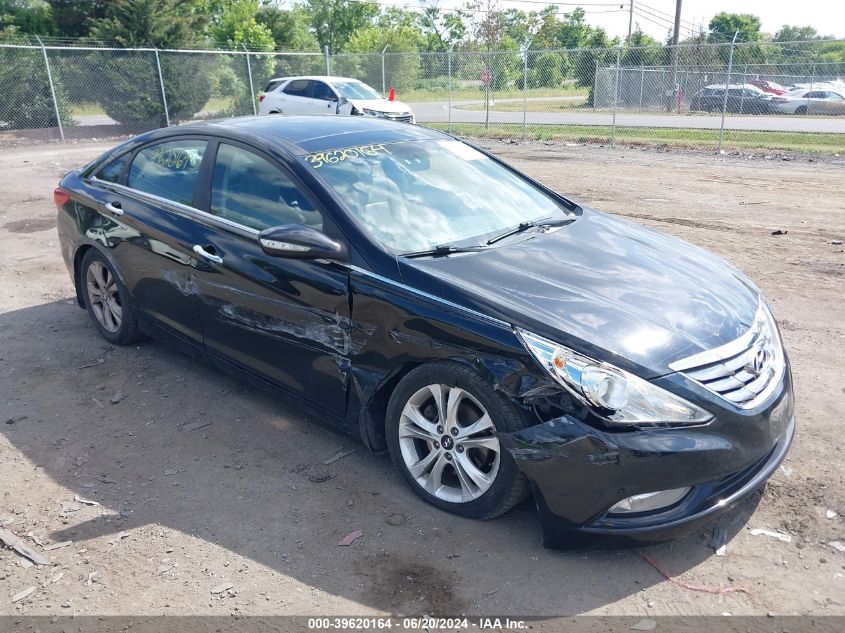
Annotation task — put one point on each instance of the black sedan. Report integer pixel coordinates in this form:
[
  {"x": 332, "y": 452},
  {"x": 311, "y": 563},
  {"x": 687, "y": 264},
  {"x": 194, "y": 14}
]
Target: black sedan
[
  {"x": 498, "y": 338},
  {"x": 741, "y": 99}
]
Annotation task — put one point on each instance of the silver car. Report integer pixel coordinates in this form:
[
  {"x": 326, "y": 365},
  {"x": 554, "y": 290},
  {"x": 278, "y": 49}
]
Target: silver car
[{"x": 803, "y": 101}]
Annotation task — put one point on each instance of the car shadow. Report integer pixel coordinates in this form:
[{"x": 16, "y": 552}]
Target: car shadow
[{"x": 160, "y": 439}]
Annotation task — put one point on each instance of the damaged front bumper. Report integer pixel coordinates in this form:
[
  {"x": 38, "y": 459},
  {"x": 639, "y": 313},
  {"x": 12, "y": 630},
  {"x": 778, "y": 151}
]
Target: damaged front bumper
[{"x": 578, "y": 472}]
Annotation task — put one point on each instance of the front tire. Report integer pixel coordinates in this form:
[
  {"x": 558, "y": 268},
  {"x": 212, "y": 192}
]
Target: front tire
[
  {"x": 107, "y": 300},
  {"x": 442, "y": 422}
]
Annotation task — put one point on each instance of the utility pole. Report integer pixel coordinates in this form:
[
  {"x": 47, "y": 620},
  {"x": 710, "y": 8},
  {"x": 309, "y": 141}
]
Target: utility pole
[
  {"x": 675, "y": 35},
  {"x": 677, "y": 30},
  {"x": 630, "y": 21}
]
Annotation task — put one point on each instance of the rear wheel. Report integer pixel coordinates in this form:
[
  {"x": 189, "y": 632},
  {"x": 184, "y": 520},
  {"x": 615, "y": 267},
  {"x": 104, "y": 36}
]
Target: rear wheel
[
  {"x": 107, "y": 300},
  {"x": 801, "y": 110},
  {"x": 442, "y": 422}
]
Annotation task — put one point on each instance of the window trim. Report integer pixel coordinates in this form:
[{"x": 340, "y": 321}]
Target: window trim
[
  {"x": 207, "y": 180},
  {"x": 124, "y": 179}
]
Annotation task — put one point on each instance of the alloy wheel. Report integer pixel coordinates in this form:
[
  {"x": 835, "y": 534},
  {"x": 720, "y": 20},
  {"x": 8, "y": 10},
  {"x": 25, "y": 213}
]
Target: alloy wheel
[
  {"x": 448, "y": 443},
  {"x": 103, "y": 295}
]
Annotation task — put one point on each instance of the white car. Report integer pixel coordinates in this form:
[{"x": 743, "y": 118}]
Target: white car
[
  {"x": 329, "y": 95},
  {"x": 802, "y": 101}
]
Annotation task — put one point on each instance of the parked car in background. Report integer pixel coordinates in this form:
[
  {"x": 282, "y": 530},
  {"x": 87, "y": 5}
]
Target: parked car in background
[
  {"x": 498, "y": 338},
  {"x": 742, "y": 98},
  {"x": 329, "y": 95},
  {"x": 802, "y": 101},
  {"x": 769, "y": 87}
]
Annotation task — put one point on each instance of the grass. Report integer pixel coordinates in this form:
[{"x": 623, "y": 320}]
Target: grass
[
  {"x": 536, "y": 105},
  {"x": 86, "y": 108},
  {"x": 819, "y": 143},
  {"x": 475, "y": 93}
]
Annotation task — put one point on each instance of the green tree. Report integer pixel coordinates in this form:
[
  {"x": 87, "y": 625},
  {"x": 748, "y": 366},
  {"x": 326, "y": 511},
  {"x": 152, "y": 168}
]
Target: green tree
[
  {"x": 789, "y": 33},
  {"x": 724, "y": 25},
  {"x": 158, "y": 23},
  {"x": 291, "y": 29},
  {"x": 644, "y": 51},
  {"x": 574, "y": 31},
  {"x": 238, "y": 26},
  {"x": 33, "y": 17},
  {"x": 334, "y": 21},
  {"x": 441, "y": 31},
  {"x": 401, "y": 69},
  {"x": 74, "y": 17},
  {"x": 128, "y": 90}
]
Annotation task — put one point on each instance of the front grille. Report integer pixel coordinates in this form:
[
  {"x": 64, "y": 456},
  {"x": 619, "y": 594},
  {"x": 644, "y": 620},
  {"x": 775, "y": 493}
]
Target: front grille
[
  {"x": 403, "y": 117},
  {"x": 744, "y": 371}
]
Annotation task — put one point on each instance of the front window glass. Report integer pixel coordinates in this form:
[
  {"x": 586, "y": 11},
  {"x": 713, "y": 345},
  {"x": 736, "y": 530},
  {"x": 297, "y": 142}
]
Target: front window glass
[
  {"x": 169, "y": 170},
  {"x": 322, "y": 91},
  {"x": 252, "y": 191},
  {"x": 414, "y": 196},
  {"x": 356, "y": 90},
  {"x": 113, "y": 169}
]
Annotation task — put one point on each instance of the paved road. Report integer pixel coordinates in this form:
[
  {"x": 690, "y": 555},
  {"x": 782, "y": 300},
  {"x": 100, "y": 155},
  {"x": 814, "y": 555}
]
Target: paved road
[{"x": 438, "y": 112}]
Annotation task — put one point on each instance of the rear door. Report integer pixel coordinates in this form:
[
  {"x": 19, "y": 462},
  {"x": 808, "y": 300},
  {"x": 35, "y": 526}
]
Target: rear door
[
  {"x": 286, "y": 320},
  {"x": 150, "y": 232},
  {"x": 296, "y": 97}
]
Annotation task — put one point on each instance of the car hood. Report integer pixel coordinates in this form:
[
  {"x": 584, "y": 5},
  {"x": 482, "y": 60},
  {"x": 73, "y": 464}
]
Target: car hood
[
  {"x": 610, "y": 288},
  {"x": 380, "y": 105}
]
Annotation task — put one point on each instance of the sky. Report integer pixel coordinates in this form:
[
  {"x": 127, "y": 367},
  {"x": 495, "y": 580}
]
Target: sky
[{"x": 655, "y": 17}]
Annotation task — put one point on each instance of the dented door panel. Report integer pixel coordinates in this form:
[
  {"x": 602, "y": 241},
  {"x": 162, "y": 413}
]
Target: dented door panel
[{"x": 285, "y": 320}]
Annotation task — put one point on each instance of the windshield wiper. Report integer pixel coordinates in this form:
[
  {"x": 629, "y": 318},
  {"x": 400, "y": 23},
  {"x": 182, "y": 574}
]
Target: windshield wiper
[
  {"x": 524, "y": 226},
  {"x": 443, "y": 249}
]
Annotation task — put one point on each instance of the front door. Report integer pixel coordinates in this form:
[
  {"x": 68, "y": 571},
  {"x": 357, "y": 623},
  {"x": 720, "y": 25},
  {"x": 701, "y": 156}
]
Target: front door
[{"x": 287, "y": 320}]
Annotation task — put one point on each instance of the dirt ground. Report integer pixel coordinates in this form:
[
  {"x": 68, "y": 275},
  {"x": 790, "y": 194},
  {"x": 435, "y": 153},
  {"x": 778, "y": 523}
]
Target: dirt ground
[{"x": 205, "y": 482}]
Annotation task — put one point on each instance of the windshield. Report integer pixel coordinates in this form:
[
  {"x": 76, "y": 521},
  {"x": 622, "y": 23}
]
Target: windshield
[
  {"x": 356, "y": 90},
  {"x": 414, "y": 196}
]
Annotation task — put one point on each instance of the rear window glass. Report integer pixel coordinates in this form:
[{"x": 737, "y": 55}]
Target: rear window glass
[
  {"x": 273, "y": 85},
  {"x": 297, "y": 88},
  {"x": 169, "y": 170},
  {"x": 112, "y": 170}
]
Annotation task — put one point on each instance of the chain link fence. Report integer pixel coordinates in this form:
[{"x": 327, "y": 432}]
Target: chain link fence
[{"x": 788, "y": 96}]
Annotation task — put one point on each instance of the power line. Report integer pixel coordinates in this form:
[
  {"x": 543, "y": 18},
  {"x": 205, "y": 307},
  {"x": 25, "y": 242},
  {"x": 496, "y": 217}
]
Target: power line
[
  {"x": 469, "y": 10},
  {"x": 654, "y": 10}
]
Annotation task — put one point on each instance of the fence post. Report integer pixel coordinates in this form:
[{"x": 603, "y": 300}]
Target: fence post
[
  {"x": 812, "y": 81},
  {"x": 163, "y": 93},
  {"x": 642, "y": 83},
  {"x": 525, "y": 94},
  {"x": 52, "y": 89},
  {"x": 615, "y": 96},
  {"x": 251, "y": 86},
  {"x": 383, "y": 82},
  {"x": 449, "y": 84},
  {"x": 727, "y": 86},
  {"x": 328, "y": 59}
]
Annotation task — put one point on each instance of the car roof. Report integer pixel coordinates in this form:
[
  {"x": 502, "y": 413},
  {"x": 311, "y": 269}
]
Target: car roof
[
  {"x": 307, "y": 134},
  {"x": 730, "y": 87},
  {"x": 329, "y": 78}
]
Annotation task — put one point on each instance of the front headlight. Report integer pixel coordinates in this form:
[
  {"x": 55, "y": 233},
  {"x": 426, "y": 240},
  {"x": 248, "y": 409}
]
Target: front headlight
[
  {"x": 374, "y": 113},
  {"x": 616, "y": 395}
]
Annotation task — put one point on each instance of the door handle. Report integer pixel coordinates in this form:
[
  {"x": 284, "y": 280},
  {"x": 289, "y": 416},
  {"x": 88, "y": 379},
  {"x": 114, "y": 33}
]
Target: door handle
[
  {"x": 114, "y": 208},
  {"x": 199, "y": 250}
]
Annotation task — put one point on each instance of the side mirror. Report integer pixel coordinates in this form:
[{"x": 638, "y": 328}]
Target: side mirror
[{"x": 298, "y": 241}]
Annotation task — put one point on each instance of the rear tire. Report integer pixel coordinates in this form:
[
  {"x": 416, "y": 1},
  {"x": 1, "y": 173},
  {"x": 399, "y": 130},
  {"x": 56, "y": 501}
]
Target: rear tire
[
  {"x": 107, "y": 300},
  {"x": 441, "y": 427},
  {"x": 801, "y": 110}
]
